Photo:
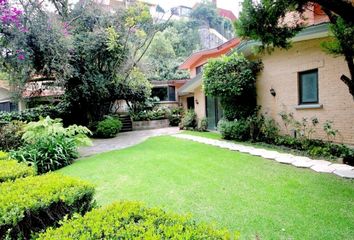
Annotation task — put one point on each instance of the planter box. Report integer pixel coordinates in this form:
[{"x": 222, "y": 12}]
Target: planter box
[{"x": 154, "y": 124}]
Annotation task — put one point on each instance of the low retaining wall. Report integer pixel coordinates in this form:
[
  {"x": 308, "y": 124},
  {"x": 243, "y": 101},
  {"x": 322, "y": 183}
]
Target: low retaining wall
[{"x": 144, "y": 125}]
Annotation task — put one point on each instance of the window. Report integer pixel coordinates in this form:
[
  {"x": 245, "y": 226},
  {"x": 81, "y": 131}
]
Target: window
[
  {"x": 199, "y": 69},
  {"x": 167, "y": 93},
  {"x": 8, "y": 107},
  {"x": 308, "y": 87}
]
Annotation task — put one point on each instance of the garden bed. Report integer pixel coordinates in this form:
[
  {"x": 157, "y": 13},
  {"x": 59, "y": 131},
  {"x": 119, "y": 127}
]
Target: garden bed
[{"x": 152, "y": 124}]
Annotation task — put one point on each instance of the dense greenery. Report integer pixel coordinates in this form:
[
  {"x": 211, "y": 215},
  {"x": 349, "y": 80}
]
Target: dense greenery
[
  {"x": 260, "y": 129},
  {"x": 11, "y": 135},
  {"x": 189, "y": 120},
  {"x": 127, "y": 220},
  {"x": 109, "y": 127},
  {"x": 11, "y": 170},
  {"x": 232, "y": 78},
  {"x": 260, "y": 21},
  {"x": 50, "y": 146},
  {"x": 238, "y": 191},
  {"x": 31, "y": 204}
]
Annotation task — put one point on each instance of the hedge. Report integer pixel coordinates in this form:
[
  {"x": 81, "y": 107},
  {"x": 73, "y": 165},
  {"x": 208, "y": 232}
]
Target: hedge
[
  {"x": 132, "y": 220},
  {"x": 31, "y": 204},
  {"x": 11, "y": 169}
]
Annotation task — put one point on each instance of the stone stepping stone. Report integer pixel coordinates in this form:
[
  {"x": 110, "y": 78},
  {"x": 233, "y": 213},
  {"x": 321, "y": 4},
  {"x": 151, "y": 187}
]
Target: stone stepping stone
[
  {"x": 345, "y": 173},
  {"x": 270, "y": 155},
  {"x": 302, "y": 163},
  {"x": 339, "y": 166},
  {"x": 320, "y": 162},
  {"x": 248, "y": 150},
  {"x": 258, "y": 152},
  {"x": 323, "y": 168},
  {"x": 285, "y": 158}
]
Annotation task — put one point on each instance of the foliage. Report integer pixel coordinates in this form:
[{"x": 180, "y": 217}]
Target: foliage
[
  {"x": 33, "y": 114},
  {"x": 11, "y": 135},
  {"x": 329, "y": 130},
  {"x": 206, "y": 13},
  {"x": 148, "y": 115},
  {"x": 32, "y": 204},
  {"x": 267, "y": 22},
  {"x": 136, "y": 90},
  {"x": 175, "y": 116},
  {"x": 189, "y": 120},
  {"x": 11, "y": 170},
  {"x": 232, "y": 79},
  {"x": 4, "y": 155},
  {"x": 237, "y": 129},
  {"x": 109, "y": 127},
  {"x": 50, "y": 146},
  {"x": 203, "y": 125},
  {"x": 303, "y": 128},
  {"x": 127, "y": 219}
]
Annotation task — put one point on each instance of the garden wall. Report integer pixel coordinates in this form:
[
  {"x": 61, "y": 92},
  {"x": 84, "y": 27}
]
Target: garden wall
[{"x": 154, "y": 124}]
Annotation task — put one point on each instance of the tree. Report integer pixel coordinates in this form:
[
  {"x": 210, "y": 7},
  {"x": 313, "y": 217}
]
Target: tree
[
  {"x": 265, "y": 21},
  {"x": 232, "y": 79}
]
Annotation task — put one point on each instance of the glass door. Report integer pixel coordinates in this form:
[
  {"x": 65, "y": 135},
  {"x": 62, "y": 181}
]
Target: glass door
[{"x": 213, "y": 112}]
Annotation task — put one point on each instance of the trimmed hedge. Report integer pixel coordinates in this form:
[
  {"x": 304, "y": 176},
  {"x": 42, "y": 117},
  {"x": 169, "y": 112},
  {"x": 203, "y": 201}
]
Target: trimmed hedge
[
  {"x": 132, "y": 220},
  {"x": 11, "y": 169},
  {"x": 32, "y": 204}
]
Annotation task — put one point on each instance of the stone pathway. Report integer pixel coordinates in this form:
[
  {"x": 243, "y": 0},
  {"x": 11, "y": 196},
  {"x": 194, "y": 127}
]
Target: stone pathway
[
  {"x": 320, "y": 166},
  {"x": 124, "y": 140}
]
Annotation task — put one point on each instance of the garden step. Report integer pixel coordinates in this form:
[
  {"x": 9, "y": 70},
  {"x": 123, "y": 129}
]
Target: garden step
[{"x": 127, "y": 124}]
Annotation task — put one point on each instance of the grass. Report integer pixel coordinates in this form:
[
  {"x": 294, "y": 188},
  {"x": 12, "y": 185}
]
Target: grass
[{"x": 258, "y": 197}]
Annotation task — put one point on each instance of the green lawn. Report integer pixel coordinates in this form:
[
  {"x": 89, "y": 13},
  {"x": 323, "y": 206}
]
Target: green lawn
[{"x": 240, "y": 192}]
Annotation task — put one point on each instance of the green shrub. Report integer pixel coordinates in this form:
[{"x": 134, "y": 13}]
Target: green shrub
[
  {"x": 131, "y": 220},
  {"x": 11, "y": 169},
  {"x": 4, "y": 155},
  {"x": 49, "y": 146},
  {"x": 11, "y": 135},
  {"x": 203, "y": 125},
  {"x": 238, "y": 129},
  {"x": 109, "y": 127},
  {"x": 189, "y": 120},
  {"x": 175, "y": 116},
  {"x": 33, "y": 114},
  {"x": 149, "y": 115},
  {"x": 32, "y": 204}
]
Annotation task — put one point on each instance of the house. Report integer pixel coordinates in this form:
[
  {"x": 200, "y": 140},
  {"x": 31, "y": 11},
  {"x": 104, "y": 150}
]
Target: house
[
  {"x": 6, "y": 103},
  {"x": 191, "y": 95},
  {"x": 166, "y": 91},
  {"x": 305, "y": 81}
]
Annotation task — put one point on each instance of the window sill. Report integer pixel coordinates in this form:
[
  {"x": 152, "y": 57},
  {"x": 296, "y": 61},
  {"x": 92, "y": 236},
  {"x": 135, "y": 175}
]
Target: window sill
[{"x": 309, "y": 106}]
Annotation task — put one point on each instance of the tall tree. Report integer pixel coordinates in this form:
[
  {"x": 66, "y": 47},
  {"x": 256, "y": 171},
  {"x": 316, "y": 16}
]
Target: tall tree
[{"x": 265, "y": 21}]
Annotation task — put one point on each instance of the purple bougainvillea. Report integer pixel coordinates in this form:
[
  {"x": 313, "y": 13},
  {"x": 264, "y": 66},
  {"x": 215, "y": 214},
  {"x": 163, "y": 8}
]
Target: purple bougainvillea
[{"x": 10, "y": 15}]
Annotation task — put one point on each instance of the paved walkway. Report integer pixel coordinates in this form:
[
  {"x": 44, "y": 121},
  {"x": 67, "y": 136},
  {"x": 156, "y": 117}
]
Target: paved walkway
[
  {"x": 322, "y": 166},
  {"x": 124, "y": 140}
]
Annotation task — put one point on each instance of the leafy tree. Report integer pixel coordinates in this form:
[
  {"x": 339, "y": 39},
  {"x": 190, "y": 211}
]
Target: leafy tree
[
  {"x": 232, "y": 79},
  {"x": 264, "y": 21}
]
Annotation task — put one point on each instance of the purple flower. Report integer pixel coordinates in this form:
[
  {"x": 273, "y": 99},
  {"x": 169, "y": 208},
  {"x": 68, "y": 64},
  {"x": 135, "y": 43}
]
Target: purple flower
[{"x": 21, "y": 56}]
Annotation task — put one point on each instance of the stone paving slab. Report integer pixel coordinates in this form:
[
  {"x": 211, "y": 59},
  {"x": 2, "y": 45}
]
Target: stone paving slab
[
  {"x": 345, "y": 173},
  {"x": 320, "y": 166}
]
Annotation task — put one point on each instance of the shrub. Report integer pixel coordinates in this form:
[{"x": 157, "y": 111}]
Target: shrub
[
  {"x": 11, "y": 135},
  {"x": 131, "y": 220},
  {"x": 189, "y": 120},
  {"x": 4, "y": 155},
  {"x": 32, "y": 204},
  {"x": 49, "y": 146},
  {"x": 237, "y": 129},
  {"x": 175, "y": 116},
  {"x": 149, "y": 115},
  {"x": 11, "y": 169},
  {"x": 33, "y": 114},
  {"x": 109, "y": 127},
  {"x": 203, "y": 125}
]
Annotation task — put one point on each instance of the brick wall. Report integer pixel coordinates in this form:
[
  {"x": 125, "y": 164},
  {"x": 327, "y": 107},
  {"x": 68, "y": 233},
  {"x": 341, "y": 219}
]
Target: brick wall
[{"x": 281, "y": 73}]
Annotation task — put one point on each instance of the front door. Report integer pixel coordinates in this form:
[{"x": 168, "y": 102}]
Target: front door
[
  {"x": 190, "y": 103},
  {"x": 213, "y": 112}
]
